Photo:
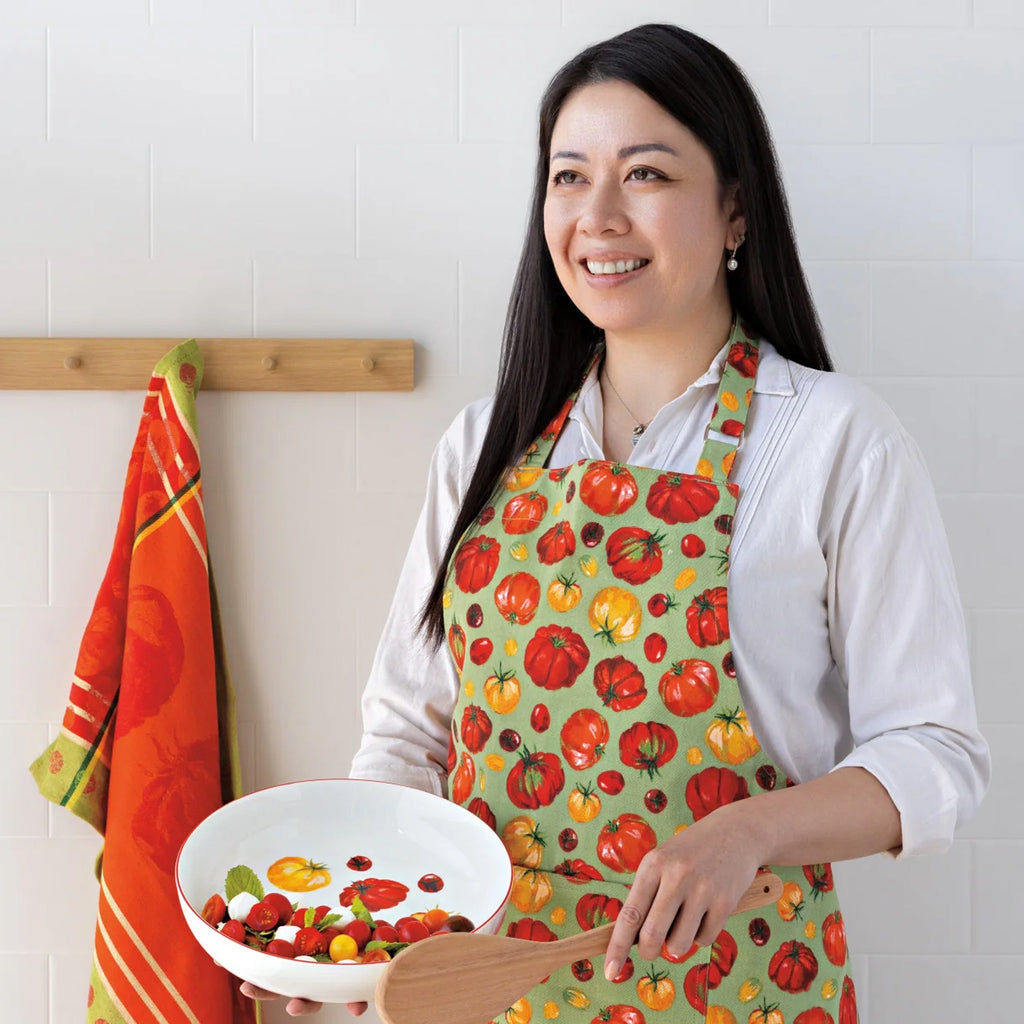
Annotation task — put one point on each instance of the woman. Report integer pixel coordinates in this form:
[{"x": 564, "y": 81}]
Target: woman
[{"x": 642, "y": 744}]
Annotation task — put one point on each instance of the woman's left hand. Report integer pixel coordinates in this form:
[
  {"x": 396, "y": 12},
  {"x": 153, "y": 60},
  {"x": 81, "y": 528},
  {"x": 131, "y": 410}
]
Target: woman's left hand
[{"x": 685, "y": 889}]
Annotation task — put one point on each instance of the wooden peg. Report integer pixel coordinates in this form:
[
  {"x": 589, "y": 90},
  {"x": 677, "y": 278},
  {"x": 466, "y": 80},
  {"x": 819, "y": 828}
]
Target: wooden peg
[
  {"x": 269, "y": 363},
  {"x": 72, "y": 362},
  {"x": 367, "y": 363}
]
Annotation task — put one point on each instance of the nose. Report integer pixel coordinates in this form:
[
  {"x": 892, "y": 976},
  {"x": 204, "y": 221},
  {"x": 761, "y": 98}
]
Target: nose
[{"x": 603, "y": 212}]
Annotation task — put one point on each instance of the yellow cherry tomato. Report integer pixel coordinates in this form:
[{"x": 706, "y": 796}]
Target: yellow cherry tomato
[
  {"x": 495, "y": 762},
  {"x": 588, "y": 564},
  {"x": 704, "y": 468},
  {"x": 730, "y": 401},
  {"x": 469, "y": 688},
  {"x": 829, "y": 988},
  {"x": 522, "y": 477},
  {"x": 519, "y": 551},
  {"x": 550, "y": 1010},
  {"x": 511, "y": 646},
  {"x": 810, "y": 929},
  {"x": 558, "y": 915},
  {"x": 694, "y": 755},
  {"x": 343, "y": 947},
  {"x": 557, "y": 509},
  {"x": 446, "y": 599}
]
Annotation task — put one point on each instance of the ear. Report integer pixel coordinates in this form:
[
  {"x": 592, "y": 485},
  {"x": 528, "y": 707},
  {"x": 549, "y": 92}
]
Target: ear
[{"x": 736, "y": 213}]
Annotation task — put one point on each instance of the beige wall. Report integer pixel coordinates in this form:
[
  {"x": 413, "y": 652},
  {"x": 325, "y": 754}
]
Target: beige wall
[{"x": 361, "y": 168}]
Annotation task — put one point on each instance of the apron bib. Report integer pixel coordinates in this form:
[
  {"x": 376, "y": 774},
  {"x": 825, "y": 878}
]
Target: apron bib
[{"x": 599, "y": 714}]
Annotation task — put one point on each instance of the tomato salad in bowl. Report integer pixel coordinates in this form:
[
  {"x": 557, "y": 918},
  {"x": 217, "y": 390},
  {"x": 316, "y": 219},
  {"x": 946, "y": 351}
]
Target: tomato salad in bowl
[{"x": 392, "y": 866}]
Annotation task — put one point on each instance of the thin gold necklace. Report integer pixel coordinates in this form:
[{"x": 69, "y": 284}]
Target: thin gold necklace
[{"x": 640, "y": 427}]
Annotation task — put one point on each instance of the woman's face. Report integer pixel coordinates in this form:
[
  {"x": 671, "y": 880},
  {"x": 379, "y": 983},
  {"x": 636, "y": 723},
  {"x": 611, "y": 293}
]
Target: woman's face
[{"x": 631, "y": 186}]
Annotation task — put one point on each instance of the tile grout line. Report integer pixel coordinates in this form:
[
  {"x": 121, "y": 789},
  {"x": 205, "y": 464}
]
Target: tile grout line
[{"x": 49, "y": 298}]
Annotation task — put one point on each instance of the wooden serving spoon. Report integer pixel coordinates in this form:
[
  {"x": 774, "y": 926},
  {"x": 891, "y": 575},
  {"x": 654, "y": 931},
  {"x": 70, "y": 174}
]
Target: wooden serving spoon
[{"x": 470, "y": 978}]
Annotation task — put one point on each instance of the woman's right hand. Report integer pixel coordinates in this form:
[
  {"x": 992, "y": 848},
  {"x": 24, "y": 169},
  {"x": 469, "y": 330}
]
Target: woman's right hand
[{"x": 296, "y": 1007}]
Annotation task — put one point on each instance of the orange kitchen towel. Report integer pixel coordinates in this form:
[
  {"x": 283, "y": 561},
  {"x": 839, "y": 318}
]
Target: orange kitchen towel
[{"x": 146, "y": 748}]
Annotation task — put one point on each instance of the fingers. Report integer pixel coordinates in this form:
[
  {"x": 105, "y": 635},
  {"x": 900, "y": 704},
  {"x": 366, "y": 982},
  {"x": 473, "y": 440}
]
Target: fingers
[
  {"x": 301, "y": 1007},
  {"x": 294, "y": 1007},
  {"x": 628, "y": 924},
  {"x": 356, "y": 1008}
]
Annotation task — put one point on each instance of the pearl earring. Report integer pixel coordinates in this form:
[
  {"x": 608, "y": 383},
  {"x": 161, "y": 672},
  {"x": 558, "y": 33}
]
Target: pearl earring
[{"x": 732, "y": 263}]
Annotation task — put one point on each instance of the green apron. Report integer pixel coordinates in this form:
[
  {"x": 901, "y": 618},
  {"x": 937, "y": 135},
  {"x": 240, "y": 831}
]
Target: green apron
[{"x": 599, "y": 714}]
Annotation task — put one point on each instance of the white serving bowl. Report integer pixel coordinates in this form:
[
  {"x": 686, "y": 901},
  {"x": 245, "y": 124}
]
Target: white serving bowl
[{"x": 406, "y": 834}]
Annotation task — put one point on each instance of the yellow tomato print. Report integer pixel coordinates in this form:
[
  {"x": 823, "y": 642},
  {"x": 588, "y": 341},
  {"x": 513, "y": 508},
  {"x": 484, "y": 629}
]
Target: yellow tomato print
[
  {"x": 495, "y": 762},
  {"x": 615, "y": 615},
  {"x": 704, "y": 468},
  {"x": 685, "y": 578},
  {"x": 296, "y": 874},
  {"x": 558, "y": 915},
  {"x": 730, "y": 401}
]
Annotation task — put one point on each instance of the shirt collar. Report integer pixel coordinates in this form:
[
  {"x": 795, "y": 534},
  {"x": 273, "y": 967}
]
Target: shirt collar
[{"x": 773, "y": 378}]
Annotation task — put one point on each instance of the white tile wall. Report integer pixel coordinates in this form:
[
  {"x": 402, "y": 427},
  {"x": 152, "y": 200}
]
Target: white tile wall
[
  {"x": 165, "y": 83},
  {"x": 953, "y": 13},
  {"x": 338, "y": 84},
  {"x": 363, "y": 168},
  {"x": 77, "y": 200},
  {"x": 998, "y": 223},
  {"x": 946, "y": 85},
  {"x": 845, "y": 205},
  {"x": 24, "y": 548},
  {"x": 22, "y": 84}
]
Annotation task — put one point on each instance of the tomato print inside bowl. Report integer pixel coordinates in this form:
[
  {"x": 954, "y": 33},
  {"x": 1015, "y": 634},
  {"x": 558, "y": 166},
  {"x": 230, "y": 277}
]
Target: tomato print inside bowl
[{"x": 335, "y": 851}]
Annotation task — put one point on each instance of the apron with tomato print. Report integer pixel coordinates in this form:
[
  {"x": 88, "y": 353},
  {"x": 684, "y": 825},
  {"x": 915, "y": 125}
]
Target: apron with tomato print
[{"x": 599, "y": 714}]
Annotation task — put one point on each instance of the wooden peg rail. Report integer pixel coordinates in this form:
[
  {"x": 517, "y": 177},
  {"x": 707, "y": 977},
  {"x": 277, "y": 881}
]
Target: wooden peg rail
[{"x": 231, "y": 364}]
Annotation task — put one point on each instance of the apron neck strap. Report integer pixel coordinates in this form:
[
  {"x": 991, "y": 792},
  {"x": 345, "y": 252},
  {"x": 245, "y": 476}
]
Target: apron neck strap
[{"x": 724, "y": 432}]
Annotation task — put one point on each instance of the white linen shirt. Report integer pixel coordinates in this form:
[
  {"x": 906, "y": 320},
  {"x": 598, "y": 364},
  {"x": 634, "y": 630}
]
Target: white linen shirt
[{"x": 846, "y": 625}]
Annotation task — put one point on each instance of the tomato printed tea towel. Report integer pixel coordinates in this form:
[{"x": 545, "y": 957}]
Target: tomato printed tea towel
[{"x": 146, "y": 748}]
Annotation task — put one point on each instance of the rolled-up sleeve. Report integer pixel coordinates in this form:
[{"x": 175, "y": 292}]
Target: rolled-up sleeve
[{"x": 899, "y": 642}]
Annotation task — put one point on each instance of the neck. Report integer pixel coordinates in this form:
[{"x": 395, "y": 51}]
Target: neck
[{"x": 647, "y": 371}]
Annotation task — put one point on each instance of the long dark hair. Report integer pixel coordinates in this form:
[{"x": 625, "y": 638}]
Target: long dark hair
[{"x": 547, "y": 340}]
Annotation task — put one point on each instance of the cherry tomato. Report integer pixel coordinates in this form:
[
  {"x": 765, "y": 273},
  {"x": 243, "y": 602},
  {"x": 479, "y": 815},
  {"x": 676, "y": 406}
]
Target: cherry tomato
[
  {"x": 458, "y": 923},
  {"x": 280, "y": 947},
  {"x": 486, "y": 516},
  {"x": 583, "y": 970},
  {"x": 281, "y": 904},
  {"x": 655, "y": 647},
  {"x": 567, "y": 839},
  {"x": 765, "y": 776},
  {"x": 729, "y": 666},
  {"x": 570, "y": 491},
  {"x": 385, "y": 933},
  {"x": 215, "y": 909},
  {"x": 655, "y": 800},
  {"x": 474, "y": 615},
  {"x": 431, "y": 883},
  {"x": 359, "y": 864},
  {"x": 375, "y": 956},
  {"x": 611, "y": 782},
  {"x": 540, "y": 718},
  {"x": 411, "y": 930},
  {"x": 509, "y": 740},
  {"x": 343, "y": 947},
  {"x": 692, "y": 546},
  {"x": 591, "y": 534},
  {"x": 480, "y": 650},
  {"x": 433, "y": 919},
  {"x": 359, "y": 930},
  {"x": 659, "y": 604},
  {"x": 760, "y": 933}
]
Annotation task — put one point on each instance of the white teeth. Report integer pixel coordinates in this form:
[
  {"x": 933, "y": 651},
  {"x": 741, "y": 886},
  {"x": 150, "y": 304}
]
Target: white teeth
[{"x": 618, "y": 267}]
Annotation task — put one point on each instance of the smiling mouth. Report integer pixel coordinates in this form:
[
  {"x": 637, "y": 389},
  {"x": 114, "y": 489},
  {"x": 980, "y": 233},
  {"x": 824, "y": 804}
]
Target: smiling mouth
[{"x": 599, "y": 268}]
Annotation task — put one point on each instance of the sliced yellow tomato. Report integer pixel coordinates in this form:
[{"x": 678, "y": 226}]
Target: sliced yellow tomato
[{"x": 296, "y": 874}]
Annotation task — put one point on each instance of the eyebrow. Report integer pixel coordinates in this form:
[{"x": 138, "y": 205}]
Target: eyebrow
[{"x": 626, "y": 151}]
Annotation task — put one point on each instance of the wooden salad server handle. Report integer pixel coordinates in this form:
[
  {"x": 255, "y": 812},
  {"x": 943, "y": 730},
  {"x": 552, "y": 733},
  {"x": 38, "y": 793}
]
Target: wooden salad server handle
[{"x": 470, "y": 978}]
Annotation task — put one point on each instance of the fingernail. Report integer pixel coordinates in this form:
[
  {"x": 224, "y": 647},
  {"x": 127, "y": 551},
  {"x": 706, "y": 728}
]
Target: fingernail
[{"x": 611, "y": 969}]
